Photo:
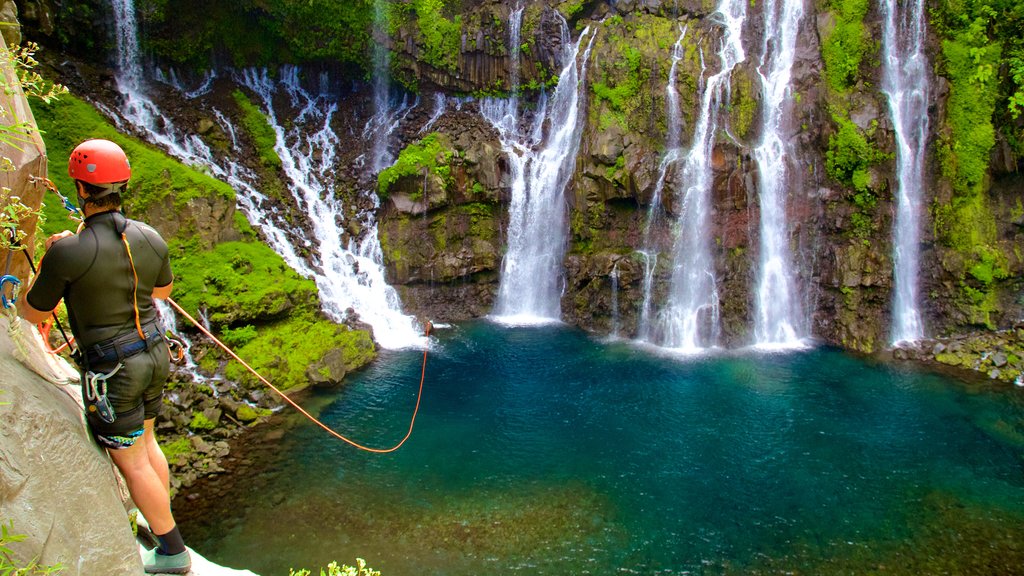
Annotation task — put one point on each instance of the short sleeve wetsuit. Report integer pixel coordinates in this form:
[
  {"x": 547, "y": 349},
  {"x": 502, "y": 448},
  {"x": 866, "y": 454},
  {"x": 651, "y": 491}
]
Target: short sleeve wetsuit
[{"x": 93, "y": 272}]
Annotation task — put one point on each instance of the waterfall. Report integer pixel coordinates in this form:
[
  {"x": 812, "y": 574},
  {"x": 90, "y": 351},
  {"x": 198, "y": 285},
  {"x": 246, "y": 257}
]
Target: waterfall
[
  {"x": 690, "y": 321},
  {"x": 776, "y": 314},
  {"x": 654, "y": 211},
  {"x": 169, "y": 323},
  {"x": 515, "y": 25},
  {"x": 531, "y": 272},
  {"x": 614, "y": 276},
  {"x": 381, "y": 157},
  {"x": 905, "y": 83},
  {"x": 348, "y": 277},
  {"x": 440, "y": 104}
]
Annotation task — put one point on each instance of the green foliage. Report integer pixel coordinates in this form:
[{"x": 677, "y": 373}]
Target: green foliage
[
  {"x": 201, "y": 423},
  {"x": 432, "y": 154},
  {"x": 239, "y": 282},
  {"x": 442, "y": 38},
  {"x": 850, "y": 155},
  {"x": 621, "y": 79},
  {"x": 194, "y": 33},
  {"x": 846, "y": 45},
  {"x": 970, "y": 136},
  {"x": 285, "y": 349},
  {"x": 258, "y": 127},
  {"x": 10, "y": 566},
  {"x": 983, "y": 59},
  {"x": 333, "y": 569},
  {"x": 155, "y": 176}
]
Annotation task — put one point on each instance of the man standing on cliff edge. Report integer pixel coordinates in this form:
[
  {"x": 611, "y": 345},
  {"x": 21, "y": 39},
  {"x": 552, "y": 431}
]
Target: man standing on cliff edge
[{"x": 108, "y": 275}]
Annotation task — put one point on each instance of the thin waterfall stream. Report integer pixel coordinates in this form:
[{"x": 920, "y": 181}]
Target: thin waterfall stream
[
  {"x": 655, "y": 212},
  {"x": 531, "y": 277},
  {"x": 690, "y": 320},
  {"x": 905, "y": 84},
  {"x": 777, "y": 321}
]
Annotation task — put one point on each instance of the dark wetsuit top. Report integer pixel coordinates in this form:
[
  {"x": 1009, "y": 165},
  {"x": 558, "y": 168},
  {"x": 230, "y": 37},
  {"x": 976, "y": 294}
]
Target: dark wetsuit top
[{"x": 92, "y": 273}]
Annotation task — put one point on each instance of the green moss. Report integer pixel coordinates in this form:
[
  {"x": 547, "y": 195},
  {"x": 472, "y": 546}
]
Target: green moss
[
  {"x": 743, "y": 105},
  {"x": 239, "y": 282},
  {"x": 178, "y": 448},
  {"x": 258, "y": 127},
  {"x": 67, "y": 122},
  {"x": 246, "y": 414},
  {"x": 846, "y": 44},
  {"x": 433, "y": 154},
  {"x": 200, "y": 422},
  {"x": 482, "y": 221},
  {"x": 285, "y": 349}
]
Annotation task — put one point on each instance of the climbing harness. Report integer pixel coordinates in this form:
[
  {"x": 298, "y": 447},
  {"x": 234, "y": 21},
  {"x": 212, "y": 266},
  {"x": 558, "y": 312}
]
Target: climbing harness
[
  {"x": 96, "y": 394},
  {"x": 329, "y": 430}
]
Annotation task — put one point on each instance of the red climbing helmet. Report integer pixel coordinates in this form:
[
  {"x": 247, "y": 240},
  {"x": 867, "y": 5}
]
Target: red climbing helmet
[{"x": 99, "y": 162}]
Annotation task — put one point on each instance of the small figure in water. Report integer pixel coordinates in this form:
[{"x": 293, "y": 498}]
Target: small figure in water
[{"x": 108, "y": 275}]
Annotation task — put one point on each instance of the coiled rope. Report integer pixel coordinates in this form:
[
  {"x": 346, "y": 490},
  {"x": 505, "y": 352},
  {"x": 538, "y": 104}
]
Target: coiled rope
[{"x": 328, "y": 429}]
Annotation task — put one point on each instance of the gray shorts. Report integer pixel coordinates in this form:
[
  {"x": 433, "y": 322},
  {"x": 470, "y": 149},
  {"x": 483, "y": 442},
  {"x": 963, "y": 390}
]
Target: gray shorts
[{"x": 136, "y": 394}]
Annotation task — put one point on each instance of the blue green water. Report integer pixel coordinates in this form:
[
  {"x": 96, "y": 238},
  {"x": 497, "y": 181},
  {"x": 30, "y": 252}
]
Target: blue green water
[{"x": 543, "y": 451}]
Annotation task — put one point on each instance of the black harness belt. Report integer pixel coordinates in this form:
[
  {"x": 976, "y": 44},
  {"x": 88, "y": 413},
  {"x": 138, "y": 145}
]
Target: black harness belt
[{"x": 124, "y": 346}]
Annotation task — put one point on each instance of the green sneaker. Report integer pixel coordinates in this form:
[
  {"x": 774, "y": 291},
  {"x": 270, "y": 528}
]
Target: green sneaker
[{"x": 154, "y": 563}]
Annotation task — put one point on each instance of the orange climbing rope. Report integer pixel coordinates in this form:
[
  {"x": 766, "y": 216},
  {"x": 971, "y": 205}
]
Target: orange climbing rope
[{"x": 312, "y": 418}]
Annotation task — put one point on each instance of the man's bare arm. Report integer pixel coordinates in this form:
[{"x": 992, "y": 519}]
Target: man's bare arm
[{"x": 163, "y": 292}]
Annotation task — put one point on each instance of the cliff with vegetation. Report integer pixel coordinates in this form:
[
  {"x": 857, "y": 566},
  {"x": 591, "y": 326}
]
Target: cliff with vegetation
[{"x": 444, "y": 204}]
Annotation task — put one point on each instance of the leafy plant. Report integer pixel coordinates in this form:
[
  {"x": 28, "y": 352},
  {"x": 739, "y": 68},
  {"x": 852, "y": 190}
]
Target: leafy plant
[
  {"x": 360, "y": 569},
  {"x": 9, "y": 566}
]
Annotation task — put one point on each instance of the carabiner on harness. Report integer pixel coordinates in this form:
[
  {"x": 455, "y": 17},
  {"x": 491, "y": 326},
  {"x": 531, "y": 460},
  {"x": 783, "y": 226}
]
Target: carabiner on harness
[
  {"x": 176, "y": 347},
  {"x": 15, "y": 287},
  {"x": 96, "y": 394}
]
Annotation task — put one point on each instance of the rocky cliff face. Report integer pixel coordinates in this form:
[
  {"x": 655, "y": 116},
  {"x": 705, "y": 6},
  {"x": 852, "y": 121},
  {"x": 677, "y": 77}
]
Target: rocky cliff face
[{"x": 443, "y": 218}]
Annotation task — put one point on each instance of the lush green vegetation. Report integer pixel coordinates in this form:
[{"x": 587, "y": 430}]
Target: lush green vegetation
[
  {"x": 238, "y": 283},
  {"x": 846, "y": 45},
  {"x": 283, "y": 351},
  {"x": 432, "y": 154},
  {"x": 155, "y": 177},
  {"x": 243, "y": 287},
  {"x": 192, "y": 32},
  {"x": 442, "y": 38},
  {"x": 983, "y": 60},
  {"x": 262, "y": 133}
]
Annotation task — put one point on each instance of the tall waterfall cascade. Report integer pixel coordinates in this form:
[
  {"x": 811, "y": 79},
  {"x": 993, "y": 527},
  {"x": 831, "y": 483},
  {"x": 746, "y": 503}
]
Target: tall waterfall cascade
[
  {"x": 690, "y": 320},
  {"x": 905, "y": 84},
  {"x": 777, "y": 322},
  {"x": 348, "y": 277},
  {"x": 531, "y": 272},
  {"x": 673, "y": 142}
]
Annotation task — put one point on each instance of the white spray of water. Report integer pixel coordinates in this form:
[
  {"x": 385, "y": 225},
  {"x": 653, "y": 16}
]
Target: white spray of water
[
  {"x": 531, "y": 272},
  {"x": 654, "y": 212},
  {"x": 690, "y": 321},
  {"x": 905, "y": 83},
  {"x": 776, "y": 311},
  {"x": 349, "y": 277}
]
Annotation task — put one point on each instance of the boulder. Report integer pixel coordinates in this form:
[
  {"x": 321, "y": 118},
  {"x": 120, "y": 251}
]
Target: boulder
[{"x": 57, "y": 487}]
